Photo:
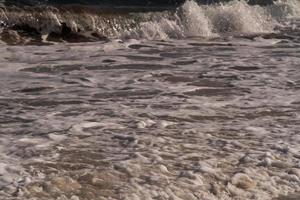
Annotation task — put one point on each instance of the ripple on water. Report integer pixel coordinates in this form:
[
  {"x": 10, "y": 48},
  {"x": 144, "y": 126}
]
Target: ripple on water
[{"x": 180, "y": 119}]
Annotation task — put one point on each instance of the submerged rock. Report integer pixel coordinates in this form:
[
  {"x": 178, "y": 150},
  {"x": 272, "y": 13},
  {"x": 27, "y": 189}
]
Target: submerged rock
[
  {"x": 65, "y": 184},
  {"x": 235, "y": 190},
  {"x": 243, "y": 181}
]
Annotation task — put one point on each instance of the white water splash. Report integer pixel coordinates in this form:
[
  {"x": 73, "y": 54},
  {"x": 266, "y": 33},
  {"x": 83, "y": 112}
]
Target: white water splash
[
  {"x": 285, "y": 8},
  {"x": 195, "y": 21},
  {"x": 190, "y": 20},
  {"x": 238, "y": 16},
  {"x": 209, "y": 21}
]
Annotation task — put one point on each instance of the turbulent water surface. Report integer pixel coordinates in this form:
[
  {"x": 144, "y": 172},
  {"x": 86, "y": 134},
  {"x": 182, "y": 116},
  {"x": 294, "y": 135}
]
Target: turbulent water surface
[{"x": 194, "y": 103}]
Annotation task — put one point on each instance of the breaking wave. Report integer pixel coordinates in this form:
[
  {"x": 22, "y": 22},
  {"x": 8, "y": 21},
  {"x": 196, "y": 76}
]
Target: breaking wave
[{"x": 75, "y": 24}]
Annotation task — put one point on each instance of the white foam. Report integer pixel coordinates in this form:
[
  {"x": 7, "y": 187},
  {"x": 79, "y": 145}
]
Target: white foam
[
  {"x": 238, "y": 16},
  {"x": 195, "y": 21},
  {"x": 285, "y": 8},
  {"x": 251, "y": 131}
]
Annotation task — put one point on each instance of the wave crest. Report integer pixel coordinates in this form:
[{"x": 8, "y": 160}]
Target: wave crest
[{"x": 189, "y": 20}]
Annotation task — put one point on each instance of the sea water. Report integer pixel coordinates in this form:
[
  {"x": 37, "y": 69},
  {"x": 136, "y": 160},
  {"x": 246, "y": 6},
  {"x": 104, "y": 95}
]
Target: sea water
[{"x": 197, "y": 102}]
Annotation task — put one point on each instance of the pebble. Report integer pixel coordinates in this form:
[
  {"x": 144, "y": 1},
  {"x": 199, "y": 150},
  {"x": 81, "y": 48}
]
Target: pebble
[
  {"x": 235, "y": 191},
  {"x": 65, "y": 184},
  {"x": 165, "y": 124},
  {"x": 266, "y": 162},
  {"x": 164, "y": 169},
  {"x": 141, "y": 125},
  {"x": 145, "y": 124},
  {"x": 243, "y": 181},
  {"x": 74, "y": 198},
  {"x": 34, "y": 189},
  {"x": 150, "y": 122}
]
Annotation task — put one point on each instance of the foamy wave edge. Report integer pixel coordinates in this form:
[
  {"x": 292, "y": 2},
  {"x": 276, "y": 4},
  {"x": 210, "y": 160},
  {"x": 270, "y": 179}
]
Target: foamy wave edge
[{"x": 189, "y": 20}]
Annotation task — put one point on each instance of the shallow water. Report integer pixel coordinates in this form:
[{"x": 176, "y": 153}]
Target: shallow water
[{"x": 172, "y": 118}]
